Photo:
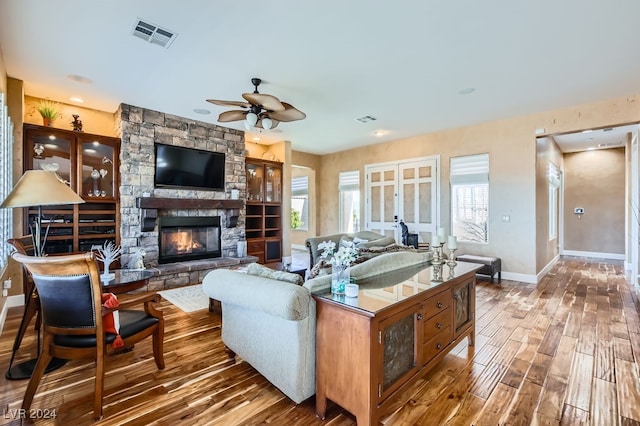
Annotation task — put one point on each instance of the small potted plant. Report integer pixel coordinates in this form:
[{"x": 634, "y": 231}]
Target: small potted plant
[{"x": 49, "y": 111}]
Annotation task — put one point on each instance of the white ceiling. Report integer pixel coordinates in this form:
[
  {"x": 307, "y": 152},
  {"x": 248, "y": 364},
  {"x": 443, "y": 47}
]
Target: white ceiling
[
  {"x": 610, "y": 137},
  {"x": 403, "y": 62}
]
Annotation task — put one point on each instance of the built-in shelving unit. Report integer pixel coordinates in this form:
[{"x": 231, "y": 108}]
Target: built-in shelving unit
[
  {"x": 263, "y": 224},
  {"x": 90, "y": 164}
]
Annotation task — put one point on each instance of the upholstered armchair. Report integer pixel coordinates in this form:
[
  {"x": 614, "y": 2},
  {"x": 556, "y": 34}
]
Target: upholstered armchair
[{"x": 77, "y": 324}]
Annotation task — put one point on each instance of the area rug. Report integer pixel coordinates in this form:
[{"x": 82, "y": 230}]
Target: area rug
[{"x": 189, "y": 299}]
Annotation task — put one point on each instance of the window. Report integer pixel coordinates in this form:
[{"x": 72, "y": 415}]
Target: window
[
  {"x": 470, "y": 198},
  {"x": 300, "y": 203},
  {"x": 349, "y": 193},
  {"x": 554, "y": 196},
  {"x": 6, "y": 179}
]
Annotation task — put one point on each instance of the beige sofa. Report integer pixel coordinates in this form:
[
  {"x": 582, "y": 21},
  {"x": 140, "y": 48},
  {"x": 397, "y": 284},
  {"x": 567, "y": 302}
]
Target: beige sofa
[
  {"x": 372, "y": 239},
  {"x": 271, "y": 324}
]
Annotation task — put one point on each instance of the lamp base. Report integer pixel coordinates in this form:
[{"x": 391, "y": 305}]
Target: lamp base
[{"x": 24, "y": 370}]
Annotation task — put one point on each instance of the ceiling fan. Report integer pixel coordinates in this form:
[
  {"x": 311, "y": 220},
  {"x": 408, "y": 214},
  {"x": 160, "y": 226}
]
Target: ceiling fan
[{"x": 262, "y": 111}]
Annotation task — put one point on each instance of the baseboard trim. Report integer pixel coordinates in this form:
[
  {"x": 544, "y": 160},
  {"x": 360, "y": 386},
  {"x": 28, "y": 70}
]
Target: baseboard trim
[
  {"x": 11, "y": 302},
  {"x": 547, "y": 268},
  {"x": 515, "y": 276},
  {"x": 611, "y": 256}
]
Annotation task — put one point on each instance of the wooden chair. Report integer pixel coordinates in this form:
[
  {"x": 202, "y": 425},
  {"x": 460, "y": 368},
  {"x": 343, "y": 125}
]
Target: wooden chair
[{"x": 73, "y": 314}]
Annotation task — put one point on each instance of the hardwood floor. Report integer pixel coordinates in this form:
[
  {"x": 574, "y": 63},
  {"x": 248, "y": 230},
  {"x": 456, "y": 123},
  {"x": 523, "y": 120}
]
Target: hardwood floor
[{"x": 565, "y": 351}]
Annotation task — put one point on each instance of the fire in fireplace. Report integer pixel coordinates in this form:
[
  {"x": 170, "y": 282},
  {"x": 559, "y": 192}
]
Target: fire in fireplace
[{"x": 188, "y": 238}]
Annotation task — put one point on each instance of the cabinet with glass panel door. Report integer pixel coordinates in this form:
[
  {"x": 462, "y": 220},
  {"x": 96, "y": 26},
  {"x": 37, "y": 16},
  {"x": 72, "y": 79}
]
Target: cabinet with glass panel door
[{"x": 89, "y": 165}]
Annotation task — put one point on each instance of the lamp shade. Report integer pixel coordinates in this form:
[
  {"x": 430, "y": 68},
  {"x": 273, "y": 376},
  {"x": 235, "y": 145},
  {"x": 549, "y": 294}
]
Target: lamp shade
[{"x": 40, "y": 188}]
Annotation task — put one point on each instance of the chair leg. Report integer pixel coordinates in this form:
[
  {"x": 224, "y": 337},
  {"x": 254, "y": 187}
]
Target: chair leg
[
  {"x": 41, "y": 365},
  {"x": 99, "y": 386},
  {"x": 158, "y": 346}
]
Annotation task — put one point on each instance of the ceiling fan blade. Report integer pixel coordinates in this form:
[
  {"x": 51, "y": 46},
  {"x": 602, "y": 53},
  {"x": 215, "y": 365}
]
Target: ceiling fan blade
[
  {"x": 230, "y": 103},
  {"x": 235, "y": 115},
  {"x": 268, "y": 102},
  {"x": 290, "y": 113},
  {"x": 274, "y": 124}
]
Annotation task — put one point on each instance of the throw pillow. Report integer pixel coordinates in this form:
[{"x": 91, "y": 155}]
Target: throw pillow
[
  {"x": 111, "y": 320},
  {"x": 382, "y": 242},
  {"x": 262, "y": 271}
]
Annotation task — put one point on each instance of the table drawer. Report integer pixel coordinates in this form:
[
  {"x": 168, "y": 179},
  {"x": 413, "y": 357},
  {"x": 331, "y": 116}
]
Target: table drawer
[
  {"x": 438, "y": 303},
  {"x": 436, "y": 324},
  {"x": 436, "y": 344}
]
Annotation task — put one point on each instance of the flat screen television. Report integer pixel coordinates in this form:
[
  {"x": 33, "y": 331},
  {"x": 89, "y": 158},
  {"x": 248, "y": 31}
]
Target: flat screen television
[{"x": 180, "y": 167}]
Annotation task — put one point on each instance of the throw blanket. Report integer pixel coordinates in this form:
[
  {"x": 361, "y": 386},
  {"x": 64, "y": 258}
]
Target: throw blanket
[{"x": 364, "y": 254}]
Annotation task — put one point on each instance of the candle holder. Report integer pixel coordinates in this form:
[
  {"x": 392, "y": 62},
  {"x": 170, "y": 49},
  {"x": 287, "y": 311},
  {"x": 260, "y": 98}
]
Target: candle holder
[
  {"x": 452, "y": 258},
  {"x": 437, "y": 255},
  {"x": 437, "y": 274}
]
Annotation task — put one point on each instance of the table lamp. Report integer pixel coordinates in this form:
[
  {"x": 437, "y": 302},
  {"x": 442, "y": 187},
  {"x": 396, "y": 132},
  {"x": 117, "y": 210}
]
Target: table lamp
[
  {"x": 40, "y": 188},
  {"x": 36, "y": 188}
]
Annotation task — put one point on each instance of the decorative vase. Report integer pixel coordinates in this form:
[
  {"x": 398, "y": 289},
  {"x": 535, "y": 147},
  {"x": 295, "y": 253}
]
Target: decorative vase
[
  {"x": 47, "y": 122},
  {"x": 340, "y": 276}
]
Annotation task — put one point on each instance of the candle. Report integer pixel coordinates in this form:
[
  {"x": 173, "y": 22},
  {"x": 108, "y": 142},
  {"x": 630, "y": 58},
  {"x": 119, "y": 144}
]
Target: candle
[
  {"x": 441, "y": 235},
  {"x": 453, "y": 242},
  {"x": 435, "y": 241}
]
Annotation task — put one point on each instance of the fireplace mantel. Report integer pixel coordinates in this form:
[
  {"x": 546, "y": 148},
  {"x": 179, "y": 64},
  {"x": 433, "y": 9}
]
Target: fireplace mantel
[{"x": 187, "y": 203}]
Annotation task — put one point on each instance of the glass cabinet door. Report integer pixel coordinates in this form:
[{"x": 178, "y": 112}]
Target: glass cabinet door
[
  {"x": 97, "y": 170},
  {"x": 274, "y": 184},
  {"x": 255, "y": 179},
  {"x": 50, "y": 152}
]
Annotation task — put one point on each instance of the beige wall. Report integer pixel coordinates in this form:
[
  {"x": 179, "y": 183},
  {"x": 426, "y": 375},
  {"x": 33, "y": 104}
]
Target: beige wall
[
  {"x": 595, "y": 180},
  {"x": 511, "y": 144},
  {"x": 93, "y": 121},
  {"x": 546, "y": 250},
  {"x": 312, "y": 162}
]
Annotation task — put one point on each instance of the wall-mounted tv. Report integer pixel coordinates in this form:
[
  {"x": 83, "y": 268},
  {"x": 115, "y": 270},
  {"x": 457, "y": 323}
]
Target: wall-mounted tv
[{"x": 180, "y": 167}]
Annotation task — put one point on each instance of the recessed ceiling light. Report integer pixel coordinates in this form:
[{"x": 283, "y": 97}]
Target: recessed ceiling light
[
  {"x": 202, "y": 111},
  {"x": 380, "y": 133},
  {"x": 587, "y": 131},
  {"x": 591, "y": 149},
  {"x": 76, "y": 100},
  {"x": 255, "y": 138},
  {"x": 90, "y": 150},
  {"x": 466, "y": 90},
  {"x": 79, "y": 79}
]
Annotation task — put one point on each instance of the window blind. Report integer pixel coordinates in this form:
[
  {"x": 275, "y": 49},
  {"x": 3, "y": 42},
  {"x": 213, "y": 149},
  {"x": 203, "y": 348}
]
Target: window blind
[
  {"x": 299, "y": 186},
  {"x": 554, "y": 174},
  {"x": 470, "y": 169},
  {"x": 349, "y": 181},
  {"x": 6, "y": 179}
]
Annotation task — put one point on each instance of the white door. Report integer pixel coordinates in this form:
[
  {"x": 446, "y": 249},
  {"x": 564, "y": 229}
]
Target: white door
[
  {"x": 407, "y": 191},
  {"x": 382, "y": 199}
]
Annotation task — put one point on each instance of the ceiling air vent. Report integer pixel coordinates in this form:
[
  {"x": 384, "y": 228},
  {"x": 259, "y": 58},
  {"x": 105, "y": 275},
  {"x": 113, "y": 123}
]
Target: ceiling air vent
[
  {"x": 366, "y": 119},
  {"x": 153, "y": 33}
]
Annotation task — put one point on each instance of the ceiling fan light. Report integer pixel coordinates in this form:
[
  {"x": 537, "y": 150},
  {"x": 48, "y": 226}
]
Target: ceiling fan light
[
  {"x": 267, "y": 123},
  {"x": 248, "y": 127},
  {"x": 251, "y": 119}
]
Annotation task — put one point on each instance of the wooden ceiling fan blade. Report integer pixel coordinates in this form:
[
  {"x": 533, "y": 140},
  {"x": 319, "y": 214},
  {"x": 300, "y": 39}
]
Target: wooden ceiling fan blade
[
  {"x": 230, "y": 103},
  {"x": 290, "y": 113},
  {"x": 268, "y": 102},
  {"x": 235, "y": 115}
]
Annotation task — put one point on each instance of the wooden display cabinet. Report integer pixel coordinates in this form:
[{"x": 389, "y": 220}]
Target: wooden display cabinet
[
  {"x": 263, "y": 226},
  {"x": 90, "y": 165},
  {"x": 370, "y": 349}
]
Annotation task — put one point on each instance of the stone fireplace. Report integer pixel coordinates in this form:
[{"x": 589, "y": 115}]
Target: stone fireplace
[
  {"x": 141, "y": 128},
  {"x": 188, "y": 238}
]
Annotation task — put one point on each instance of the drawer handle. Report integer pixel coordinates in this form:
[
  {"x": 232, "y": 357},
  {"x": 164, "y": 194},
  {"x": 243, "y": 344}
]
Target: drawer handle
[
  {"x": 439, "y": 325},
  {"x": 439, "y": 346},
  {"x": 439, "y": 305},
  {"x": 419, "y": 317}
]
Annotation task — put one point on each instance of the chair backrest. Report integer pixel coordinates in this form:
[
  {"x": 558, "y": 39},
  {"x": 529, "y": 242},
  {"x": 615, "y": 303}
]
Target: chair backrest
[
  {"x": 23, "y": 244},
  {"x": 69, "y": 289}
]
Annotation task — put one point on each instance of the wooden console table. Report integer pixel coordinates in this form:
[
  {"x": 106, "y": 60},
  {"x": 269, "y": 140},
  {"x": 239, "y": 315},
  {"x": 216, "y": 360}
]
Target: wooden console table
[{"x": 371, "y": 348}]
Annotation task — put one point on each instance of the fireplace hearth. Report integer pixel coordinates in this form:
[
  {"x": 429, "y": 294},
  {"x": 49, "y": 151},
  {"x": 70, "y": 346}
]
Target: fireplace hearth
[{"x": 188, "y": 238}]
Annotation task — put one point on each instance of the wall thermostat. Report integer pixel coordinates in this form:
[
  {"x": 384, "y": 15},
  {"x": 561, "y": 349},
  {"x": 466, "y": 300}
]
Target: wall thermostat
[{"x": 578, "y": 210}]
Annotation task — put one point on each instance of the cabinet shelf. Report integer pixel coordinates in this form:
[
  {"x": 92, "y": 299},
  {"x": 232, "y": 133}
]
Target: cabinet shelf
[
  {"x": 90, "y": 163},
  {"x": 263, "y": 209}
]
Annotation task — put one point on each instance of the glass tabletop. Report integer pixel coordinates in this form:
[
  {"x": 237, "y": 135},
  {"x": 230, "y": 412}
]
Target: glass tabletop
[
  {"x": 383, "y": 290},
  {"x": 126, "y": 276}
]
